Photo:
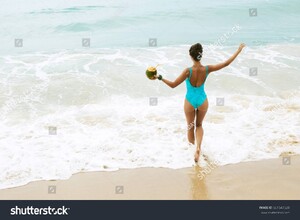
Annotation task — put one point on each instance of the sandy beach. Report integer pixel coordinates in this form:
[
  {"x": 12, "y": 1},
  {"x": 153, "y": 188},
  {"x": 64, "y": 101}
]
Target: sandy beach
[{"x": 267, "y": 179}]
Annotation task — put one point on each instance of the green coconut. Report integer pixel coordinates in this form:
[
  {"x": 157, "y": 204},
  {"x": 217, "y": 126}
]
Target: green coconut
[{"x": 151, "y": 72}]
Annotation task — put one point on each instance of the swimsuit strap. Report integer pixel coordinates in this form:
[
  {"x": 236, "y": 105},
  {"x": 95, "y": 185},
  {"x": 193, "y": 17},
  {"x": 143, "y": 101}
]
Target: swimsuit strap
[
  {"x": 206, "y": 71},
  {"x": 190, "y": 72}
]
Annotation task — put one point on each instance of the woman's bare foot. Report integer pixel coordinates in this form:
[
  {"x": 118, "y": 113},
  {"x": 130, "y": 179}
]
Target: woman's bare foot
[{"x": 197, "y": 154}]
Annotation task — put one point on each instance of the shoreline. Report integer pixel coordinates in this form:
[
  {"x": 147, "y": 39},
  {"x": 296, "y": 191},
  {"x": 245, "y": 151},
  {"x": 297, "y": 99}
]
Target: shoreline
[{"x": 258, "y": 180}]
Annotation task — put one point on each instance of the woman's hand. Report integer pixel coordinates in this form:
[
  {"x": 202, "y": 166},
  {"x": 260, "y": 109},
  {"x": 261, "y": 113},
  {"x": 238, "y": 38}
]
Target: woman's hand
[{"x": 242, "y": 45}]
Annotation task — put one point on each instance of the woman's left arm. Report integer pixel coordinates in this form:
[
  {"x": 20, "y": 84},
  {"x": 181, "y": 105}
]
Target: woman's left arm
[{"x": 179, "y": 79}]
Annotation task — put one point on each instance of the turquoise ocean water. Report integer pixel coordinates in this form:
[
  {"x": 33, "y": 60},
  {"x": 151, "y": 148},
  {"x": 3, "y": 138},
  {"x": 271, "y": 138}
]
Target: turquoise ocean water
[{"x": 60, "y": 24}]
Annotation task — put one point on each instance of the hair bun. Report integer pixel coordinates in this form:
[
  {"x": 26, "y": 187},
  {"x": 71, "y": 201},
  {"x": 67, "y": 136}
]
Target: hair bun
[
  {"x": 196, "y": 51},
  {"x": 198, "y": 45}
]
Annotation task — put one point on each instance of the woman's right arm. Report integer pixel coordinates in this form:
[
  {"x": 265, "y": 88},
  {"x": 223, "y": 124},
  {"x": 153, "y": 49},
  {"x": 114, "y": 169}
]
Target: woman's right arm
[{"x": 219, "y": 66}]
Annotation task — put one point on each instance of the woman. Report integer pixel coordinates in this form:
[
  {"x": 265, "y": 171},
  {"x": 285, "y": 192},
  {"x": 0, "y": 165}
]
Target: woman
[{"x": 196, "y": 104}]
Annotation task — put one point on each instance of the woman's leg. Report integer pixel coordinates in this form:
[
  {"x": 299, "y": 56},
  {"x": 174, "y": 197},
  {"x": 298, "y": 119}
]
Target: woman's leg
[
  {"x": 190, "y": 120},
  {"x": 200, "y": 114}
]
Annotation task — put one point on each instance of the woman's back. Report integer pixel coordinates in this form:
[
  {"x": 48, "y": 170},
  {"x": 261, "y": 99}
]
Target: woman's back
[{"x": 197, "y": 76}]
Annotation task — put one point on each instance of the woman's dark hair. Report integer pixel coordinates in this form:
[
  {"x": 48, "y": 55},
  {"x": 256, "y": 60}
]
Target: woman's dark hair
[{"x": 196, "y": 51}]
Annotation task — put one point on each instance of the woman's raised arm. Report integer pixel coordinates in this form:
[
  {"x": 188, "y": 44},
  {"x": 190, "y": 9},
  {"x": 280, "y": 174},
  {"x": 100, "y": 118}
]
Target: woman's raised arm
[{"x": 212, "y": 68}]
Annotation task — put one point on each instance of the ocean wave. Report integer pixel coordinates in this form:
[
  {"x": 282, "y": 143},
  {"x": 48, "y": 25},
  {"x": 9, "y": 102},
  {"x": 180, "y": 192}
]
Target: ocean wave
[
  {"x": 76, "y": 111},
  {"x": 81, "y": 9}
]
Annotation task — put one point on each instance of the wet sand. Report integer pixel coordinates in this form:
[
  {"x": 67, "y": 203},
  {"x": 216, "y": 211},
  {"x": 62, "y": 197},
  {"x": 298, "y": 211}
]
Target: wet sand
[{"x": 266, "y": 179}]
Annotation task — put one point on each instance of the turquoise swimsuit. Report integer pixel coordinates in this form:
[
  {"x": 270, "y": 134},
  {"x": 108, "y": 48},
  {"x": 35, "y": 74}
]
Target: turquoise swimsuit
[{"x": 195, "y": 95}]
